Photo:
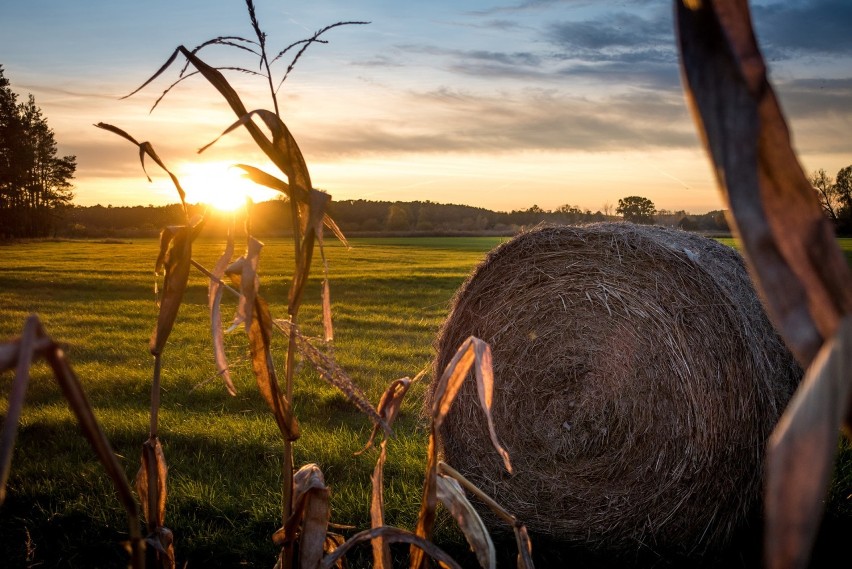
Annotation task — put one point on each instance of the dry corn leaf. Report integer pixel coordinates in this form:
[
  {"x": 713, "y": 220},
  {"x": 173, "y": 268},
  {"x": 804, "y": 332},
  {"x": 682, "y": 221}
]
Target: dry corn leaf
[
  {"x": 797, "y": 472},
  {"x": 176, "y": 260},
  {"x": 388, "y": 410},
  {"x": 249, "y": 284},
  {"x": 390, "y": 535},
  {"x": 262, "y": 178},
  {"x": 309, "y": 486},
  {"x": 82, "y": 409},
  {"x": 788, "y": 243},
  {"x": 332, "y": 373},
  {"x": 472, "y": 351},
  {"x": 147, "y": 148},
  {"x": 25, "y": 349},
  {"x": 214, "y": 300},
  {"x": 151, "y": 483},
  {"x": 264, "y": 372},
  {"x": 450, "y": 494},
  {"x": 521, "y": 536}
]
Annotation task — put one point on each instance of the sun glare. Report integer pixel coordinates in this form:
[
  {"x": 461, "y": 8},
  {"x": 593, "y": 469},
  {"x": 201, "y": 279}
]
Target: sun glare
[{"x": 220, "y": 185}]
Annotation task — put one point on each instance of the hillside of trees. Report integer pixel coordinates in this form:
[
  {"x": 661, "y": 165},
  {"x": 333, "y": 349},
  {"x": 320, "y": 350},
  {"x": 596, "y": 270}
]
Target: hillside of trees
[{"x": 360, "y": 217}]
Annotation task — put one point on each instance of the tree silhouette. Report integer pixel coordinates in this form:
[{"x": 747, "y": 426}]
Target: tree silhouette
[{"x": 636, "y": 209}]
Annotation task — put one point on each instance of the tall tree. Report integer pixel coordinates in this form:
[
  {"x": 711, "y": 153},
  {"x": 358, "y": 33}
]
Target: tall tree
[
  {"x": 636, "y": 209},
  {"x": 34, "y": 182},
  {"x": 827, "y": 192}
]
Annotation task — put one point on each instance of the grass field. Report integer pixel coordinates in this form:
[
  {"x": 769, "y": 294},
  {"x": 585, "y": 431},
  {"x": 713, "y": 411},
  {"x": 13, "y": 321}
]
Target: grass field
[{"x": 389, "y": 298}]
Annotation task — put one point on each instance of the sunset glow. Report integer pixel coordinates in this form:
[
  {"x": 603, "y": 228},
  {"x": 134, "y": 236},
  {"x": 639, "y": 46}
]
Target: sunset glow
[
  {"x": 499, "y": 105},
  {"x": 220, "y": 185}
]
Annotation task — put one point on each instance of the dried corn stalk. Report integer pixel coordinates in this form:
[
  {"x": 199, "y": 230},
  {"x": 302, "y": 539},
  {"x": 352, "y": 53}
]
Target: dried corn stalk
[{"x": 791, "y": 250}]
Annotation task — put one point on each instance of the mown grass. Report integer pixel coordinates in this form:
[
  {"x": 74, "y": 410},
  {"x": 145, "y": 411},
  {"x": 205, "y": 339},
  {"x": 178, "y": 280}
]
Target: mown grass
[{"x": 389, "y": 298}]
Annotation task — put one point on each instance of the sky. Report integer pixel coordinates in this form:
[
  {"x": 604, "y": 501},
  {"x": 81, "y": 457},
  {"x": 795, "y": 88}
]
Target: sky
[{"x": 500, "y": 104}]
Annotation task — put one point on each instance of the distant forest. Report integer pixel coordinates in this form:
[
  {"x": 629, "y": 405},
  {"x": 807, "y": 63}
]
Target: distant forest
[{"x": 359, "y": 217}]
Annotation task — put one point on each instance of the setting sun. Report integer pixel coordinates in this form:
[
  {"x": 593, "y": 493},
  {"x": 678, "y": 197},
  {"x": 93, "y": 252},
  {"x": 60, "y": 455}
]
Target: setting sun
[{"x": 220, "y": 185}]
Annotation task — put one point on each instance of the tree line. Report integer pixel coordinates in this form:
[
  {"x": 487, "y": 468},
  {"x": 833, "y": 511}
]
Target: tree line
[
  {"x": 365, "y": 217},
  {"x": 35, "y": 183}
]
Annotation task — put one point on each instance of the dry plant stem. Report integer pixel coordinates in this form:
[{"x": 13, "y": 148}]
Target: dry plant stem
[
  {"x": 25, "y": 350},
  {"x": 81, "y": 407},
  {"x": 155, "y": 394},
  {"x": 212, "y": 277},
  {"x": 448, "y": 470},
  {"x": 391, "y": 535}
]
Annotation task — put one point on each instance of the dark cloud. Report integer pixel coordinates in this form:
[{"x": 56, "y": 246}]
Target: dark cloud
[{"x": 787, "y": 29}]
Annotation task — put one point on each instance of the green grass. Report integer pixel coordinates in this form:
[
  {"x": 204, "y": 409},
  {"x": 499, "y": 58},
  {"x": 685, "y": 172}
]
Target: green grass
[{"x": 389, "y": 298}]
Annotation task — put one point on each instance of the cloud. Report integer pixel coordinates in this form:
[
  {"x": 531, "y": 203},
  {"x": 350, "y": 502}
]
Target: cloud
[
  {"x": 532, "y": 120},
  {"x": 788, "y": 29}
]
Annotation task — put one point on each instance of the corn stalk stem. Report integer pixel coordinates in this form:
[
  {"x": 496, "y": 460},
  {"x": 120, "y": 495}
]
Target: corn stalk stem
[{"x": 155, "y": 394}]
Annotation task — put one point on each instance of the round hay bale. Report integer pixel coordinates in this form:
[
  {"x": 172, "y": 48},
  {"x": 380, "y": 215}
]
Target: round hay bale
[{"x": 637, "y": 379}]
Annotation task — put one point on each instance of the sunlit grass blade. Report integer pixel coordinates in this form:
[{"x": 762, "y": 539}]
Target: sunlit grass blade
[
  {"x": 214, "y": 300},
  {"x": 147, "y": 148},
  {"x": 801, "y": 452},
  {"x": 25, "y": 351},
  {"x": 333, "y": 374},
  {"x": 452, "y": 496},
  {"x": 391, "y": 535}
]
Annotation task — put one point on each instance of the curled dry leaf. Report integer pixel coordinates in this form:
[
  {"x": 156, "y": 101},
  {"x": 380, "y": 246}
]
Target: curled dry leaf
[
  {"x": 262, "y": 178},
  {"x": 147, "y": 148},
  {"x": 214, "y": 300},
  {"x": 472, "y": 351},
  {"x": 25, "y": 349},
  {"x": 797, "y": 472},
  {"x": 249, "y": 283},
  {"x": 789, "y": 244},
  {"x": 452, "y": 496},
  {"x": 34, "y": 341},
  {"x": 308, "y": 522},
  {"x": 175, "y": 257},
  {"x": 390, "y": 535},
  {"x": 259, "y": 335},
  {"x": 388, "y": 410},
  {"x": 151, "y": 488}
]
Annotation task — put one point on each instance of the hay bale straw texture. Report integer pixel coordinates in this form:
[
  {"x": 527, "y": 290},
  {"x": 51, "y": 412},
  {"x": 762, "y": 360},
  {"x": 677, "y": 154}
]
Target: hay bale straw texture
[{"x": 637, "y": 379}]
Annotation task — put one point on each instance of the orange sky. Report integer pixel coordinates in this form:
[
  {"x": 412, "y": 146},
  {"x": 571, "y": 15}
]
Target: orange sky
[{"x": 494, "y": 105}]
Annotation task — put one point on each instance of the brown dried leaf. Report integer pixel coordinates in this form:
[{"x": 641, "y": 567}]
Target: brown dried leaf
[
  {"x": 327, "y": 324},
  {"x": 798, "y": 473},
  {"x": 452, "y": 496},
  {"x": 249, "y": 284},
  {"x": 473, "y": 350},
  {"x": 264, "y": 372},
  {"x": 176, "y": 260},
  {"x": 522, "y": 538},
  {"x": 25, "y": 349},
  {"x": 332, "y": 373},
  {"x": 388, "y": 409},
  {"x": 151, "y": 483},
  {"x": 311, "y": 491},
  {"x": 788, "y": 242},
  {"x": 390, "y": 535},
  {"x": 214, "y": 299},
  {"x": 147, "y": 148}
]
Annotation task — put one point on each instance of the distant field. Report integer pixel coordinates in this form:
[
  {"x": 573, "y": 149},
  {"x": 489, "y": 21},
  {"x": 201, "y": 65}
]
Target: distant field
[{"x": 389, "y": 297}]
